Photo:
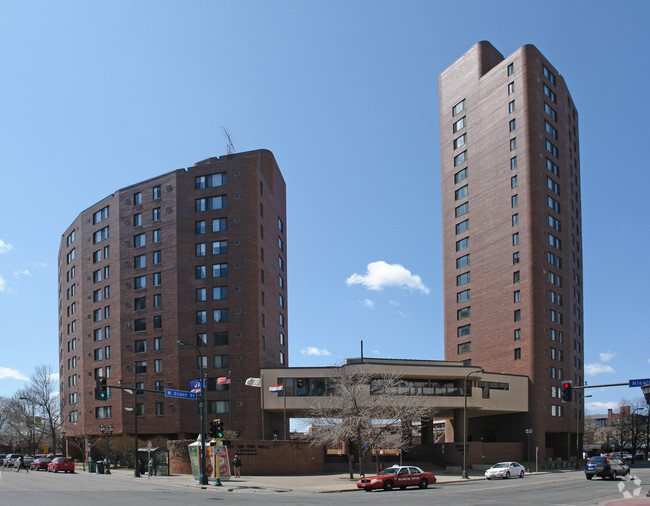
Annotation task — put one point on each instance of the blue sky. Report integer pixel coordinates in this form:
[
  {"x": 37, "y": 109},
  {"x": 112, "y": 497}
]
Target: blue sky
[{"x": 96, "y": 96}]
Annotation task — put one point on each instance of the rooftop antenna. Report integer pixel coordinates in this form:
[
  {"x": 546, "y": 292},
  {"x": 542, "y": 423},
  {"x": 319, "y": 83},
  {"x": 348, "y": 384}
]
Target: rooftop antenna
[{"x": 230, "y": 148}]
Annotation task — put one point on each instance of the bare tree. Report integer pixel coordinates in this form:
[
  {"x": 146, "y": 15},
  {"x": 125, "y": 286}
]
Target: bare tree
[
  {"x": 630, "y": 425},
  {"x": 366, "y": 411},
  {"x": 43, "y": 390}
]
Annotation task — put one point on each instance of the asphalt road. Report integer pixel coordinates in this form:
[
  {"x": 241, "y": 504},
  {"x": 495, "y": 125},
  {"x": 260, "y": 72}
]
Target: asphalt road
[{"x": 565, "y": 488}]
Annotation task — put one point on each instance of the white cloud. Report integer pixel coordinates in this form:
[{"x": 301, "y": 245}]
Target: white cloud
[
  {"x": 3, "y": 284},
  {"x": 5, "y": 247},
  {"x": 6, "y": 373},
  {"x": 607, "y": 356},
  {"x": 393, "y": 303},
  {"x": 40, "y": 264},
  {"x": 593, "y": 369},
  {"x": 54, "y": 377},
  {"x": 312, "y": 350},
  {"x": 368, "y": 303},
  {"x": 25, "y": 272},
  {"x": 600, "y": 407},
  {"x": 381, "y": 274}
]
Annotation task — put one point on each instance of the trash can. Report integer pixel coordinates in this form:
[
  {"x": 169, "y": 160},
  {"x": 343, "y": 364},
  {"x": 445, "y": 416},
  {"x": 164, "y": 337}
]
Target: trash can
[
  {"x": 91, "y": 466},
  {"x": 100, "y": 467}
]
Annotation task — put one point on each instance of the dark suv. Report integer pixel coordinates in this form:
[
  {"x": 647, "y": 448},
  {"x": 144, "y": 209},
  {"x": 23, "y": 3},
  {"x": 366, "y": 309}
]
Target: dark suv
[{"x": 606, "y": 467}]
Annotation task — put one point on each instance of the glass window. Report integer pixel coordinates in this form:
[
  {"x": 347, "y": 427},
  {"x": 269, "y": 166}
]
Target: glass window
[
  {"x": 137, "y": 220},
  {"x": 139, "y": 262},
  {"x": 461, "y": 192},
  {"x": 464, "y": 330},
  {"x": 462, "y": 244},
  {"x": 156, "y": 192},
  {"x": 219, "y": 247},
  {"x": 513, "y": 163},
  {"x": 460, "y": 175},
  {"x": 199, "y": 227},
  {"x": 200, "y": 249},
  {"x": 463, "y": 296},
  {"x": 137, "y": 198},
  {"x": 458, "y": 108},
  {"x": 219, "y": 224},
  {"x": 511, "y": 106},
  {"x": 219, "y": 270},
  {"x": 464, "y": 348},
  {"x": 201, "y": 317},
  {"x": 513, "y": 144},
  {"x": 460, "y": 141},
  {"x": 140, "y": 282},
  {"x": 460, "y": 158},
  {"x": 461, "y": 227},
  {"x": 511, "y": 69},
  {"x": 201, "y": 294},
  {"x": 462, "y": 279},
  {"x": 219, "y": 293},
  {"x": 220, "y": 315},
  {"x": 463, "y": 313},
  {"x": 462, "y": 261},
  {"x": 511, "y": 88},
  {"x": 156, "y": 214},
  {"x": 139, "y": 240},
  {"x": 458, "y": 125},
  {"x": 462, "y": 209}
]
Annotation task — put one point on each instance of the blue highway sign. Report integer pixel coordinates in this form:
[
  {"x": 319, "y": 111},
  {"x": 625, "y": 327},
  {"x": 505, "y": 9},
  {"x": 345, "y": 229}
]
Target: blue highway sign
[
  {"x": 640, "y": 382},
  {"x": 179, "y": 394}
]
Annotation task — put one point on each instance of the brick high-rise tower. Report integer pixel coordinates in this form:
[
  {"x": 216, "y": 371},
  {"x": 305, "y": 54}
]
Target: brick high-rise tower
[
  {"x": 198, "y": 255},
  {"x": 512, "y": 235}
]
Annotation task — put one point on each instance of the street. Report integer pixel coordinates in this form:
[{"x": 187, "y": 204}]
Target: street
[{"x": 568, "y": 487}]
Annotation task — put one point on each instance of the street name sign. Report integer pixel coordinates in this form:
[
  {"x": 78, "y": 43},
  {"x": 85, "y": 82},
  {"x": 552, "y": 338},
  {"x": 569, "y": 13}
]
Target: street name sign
[
  {"x": 640, "y": 382},
  {"x": 179, "y": 394}
]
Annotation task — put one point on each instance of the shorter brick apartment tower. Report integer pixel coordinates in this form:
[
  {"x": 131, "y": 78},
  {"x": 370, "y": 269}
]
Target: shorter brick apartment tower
[
  {"x": 197, "y": 255},
  {"x": 512, "y": 236}
]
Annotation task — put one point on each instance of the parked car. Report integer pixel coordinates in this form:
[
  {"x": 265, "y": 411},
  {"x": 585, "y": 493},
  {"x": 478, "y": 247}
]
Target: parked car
[
  {"x": 61, "y": 464},
  {"x": 2, "y": 458},
  {"x": 505, "y": 470},
  {"x": 39, "y": 464},
  {"x": 606, "y": 467},
  {"x": 397, "y": 476},
  {"x": 10, "y": 459}
]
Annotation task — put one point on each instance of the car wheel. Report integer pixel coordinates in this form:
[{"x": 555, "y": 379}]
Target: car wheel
[
  {"x": 368, "y": 489},
  {"x": 388, "y": 485},
  {"x": 488, "y": 477},
  {"x": 507, "y": 474},
  {"x": 612, "y": 475},
  {"x": 424, "y": 483},
  {"x": 589, "y": 476},
  {"x": 56, "y": 470},
  {"x": 521, "y": 474}
]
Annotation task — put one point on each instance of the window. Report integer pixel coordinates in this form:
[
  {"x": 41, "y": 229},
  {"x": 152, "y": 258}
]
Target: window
[
  {"x": 98, "y": 216},
  {"x": 281, "y": 300},
  {"x": 97, "y": 256},
  {"x": 157, "y": 257},
  {"x": 462, "y": 279},
  {"x": 281, "y": 318},
  {"x": 462, "y": 209},
  {"x": 140, "y": 324},
  {"x": 512, "y": 125},
  {"x": 200, "y": 249},
  {"x": 210, "y": 203},
  {"x": 219, "y": 293},
  {"x": 461, "y": 192},
  {"x": 199, "y": 227},
  {"x": 552, "y": 185},
  {"x": 102, "y": 412},
  {"x": 515, "y": 219},
  {"x": 550, "y": 93},
  {"x": 461, "y": 227},
  {"x": 462, "y": 261},
  {"x": 106, "y": 271},
  {"x": 220, "y": 315},
  {"x": 139, "y": 262},
  {"x": 458, "y": 108},
  {"x": 221, "y": 361},
  {"x": 517, "y": 353},
  {"x": 513, "y": 182},
  {"x": 553, "y": 204},
  {"x": 137, "y": 198},
  {"x": 554, "y": 241},
  {"x": 97, "y": 334},
  {"x": 97, "y": 315},
  {"x": 201, "y": 294},
  {"x": 515, "y": 239},
  {"x": 157, "y": 344},
  {"x": 517, "y": 296},
  {"x": 160, "y": 407},
  {"x": 201, "y": 272},
  {"x": 550, "y": 111},
  {"x": 157, "y": 279},
  {"x": 219, "y": 270},
  {"x": 460, "y": 141},
  {"x": 157, "y": 300},
  {"x": 141, "y": 367},
  {"x": 552, "y": 148},
  {"x": 517, "y": 315},
  {"x": 550, "y": 129},
  {"x": 516, "y": 277},
  {"x": 157, "y": 365},
  {"x": 462, "y": 244},
  {"x": 463, "y": 331},
  {"x": 515, "y": 258},
  {"x": 100, "y": 235},
  {"x": 201, "y": 317},
  {"x": 280, "y": 262},
  {"x": 139, "y": 240},
  {"x": 459, "y": 124},
  {"x": 137, "y": 220},
  {"x": 511, "y": 69},
  {"x": 156, "y": 214},
  {"x": 554, "y": 223},
  {"x": 511, "y": 88},
  {"x": 460, "y": 175},
  {"x": 220, "y": 338},
  {"x": 280, "y": 244},
  {"x": 460, "y": 158},
  {"x": 156, "y": 192},
  {"x": 517, "y": 334},
  {"x": 140, "y": 304},
  {"x": 219, "y": 247},
  {"x": 157, "y": 322},
  {"x": 201, "y": 339},
  {"x": 463, "y": 296},
  {"x": 514, "y": 201},
  {"x": 97, "y": 295},
  {"x": 464, "y": 348},
  {"x": 549, "y": 75},
  {"x": 552, "y": 167},
  {"x": 511, "y": 107},
  {"x": 280, "y": 281},
  {"x": 71, "y": 256},
  {"x": 210, "y": 181},
  {"x": 463, "y": 313},
  {"x": 156, "y": 235},
  {"x": 513, "y": 144},
  {"x": 97, "y": 354},
  {"x": 513, "y": 163},
  {"x": 219, "y": 224}
]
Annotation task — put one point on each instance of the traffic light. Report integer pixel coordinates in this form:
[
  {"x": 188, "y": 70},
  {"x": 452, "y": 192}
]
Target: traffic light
[
  {"x": 213, "y": 429},
  {"x": 219, "y": 429},
  {"x": 567, "y": 391},
  {"x": 101, "y": 389}
]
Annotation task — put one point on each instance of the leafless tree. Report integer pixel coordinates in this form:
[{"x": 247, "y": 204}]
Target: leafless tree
[
  {"x": 630, "y": 425},
  {"x": 365, "y": 410}
]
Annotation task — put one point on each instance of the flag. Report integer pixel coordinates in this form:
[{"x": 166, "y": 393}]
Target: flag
[
  {"x": 223, "y": 380},
  {"x": 254, "y": 382},
  {"x": 276, "y": 388}
]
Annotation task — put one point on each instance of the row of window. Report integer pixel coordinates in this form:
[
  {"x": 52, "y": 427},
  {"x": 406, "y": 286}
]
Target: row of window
[
  {"x": 137, "y": 197},
  {"x": 104, "y": 412}
]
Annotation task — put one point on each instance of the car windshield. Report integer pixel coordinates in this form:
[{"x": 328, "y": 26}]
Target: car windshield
[
  {"x": 500, "y": 465},
  {"x": 388, "y": 470}
]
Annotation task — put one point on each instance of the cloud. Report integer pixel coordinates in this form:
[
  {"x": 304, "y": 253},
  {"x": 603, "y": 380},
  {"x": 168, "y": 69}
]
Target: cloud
[
  {"x": 54, "y": 377},
  {"x": 3, "y": 284},
  {"x": 600, "y": 407},
  {"x": 607, "y": 356},
  {"x": 25, "y": 272},
  {"x": 368, "y": 303},
  {"x": 5, "y": 247},
  {"x": 593, "y": 369},
  {"x": 381, "y": 274},
  {"x": 6, "y": 373},
  {"x": 40, "y": 264},
  {"x": 312, "y": 350},
  {"x": 393, "y": 303}
]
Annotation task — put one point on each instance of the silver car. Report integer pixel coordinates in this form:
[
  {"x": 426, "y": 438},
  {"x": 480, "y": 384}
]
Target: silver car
[{"x": 505, "y": 470}]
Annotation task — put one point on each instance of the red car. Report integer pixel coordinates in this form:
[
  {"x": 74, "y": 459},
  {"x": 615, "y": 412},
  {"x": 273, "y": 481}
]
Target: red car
[
  {"x": 61, "y": 464},
  {"x": 397, "y": 476},
  {"x": 39, "y": 464}
]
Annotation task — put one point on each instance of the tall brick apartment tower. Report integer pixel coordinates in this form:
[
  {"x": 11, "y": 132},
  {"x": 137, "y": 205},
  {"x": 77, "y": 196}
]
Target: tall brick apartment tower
[
  {"x": 197, "y": 255},
  {"x": 512, "y": 235}
]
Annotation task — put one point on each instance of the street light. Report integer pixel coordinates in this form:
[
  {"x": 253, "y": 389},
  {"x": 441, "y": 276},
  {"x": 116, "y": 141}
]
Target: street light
[
  {"x": 203, "y": 479},
  {"x": 580, "y": 399},
  {"x": 33, "y": 423},
  {"x": 464, "y": 475},
  {"x": 65, "y": 444},
  {"x": 646, "y": 394},
  {"x": 102, "y": 428}
]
